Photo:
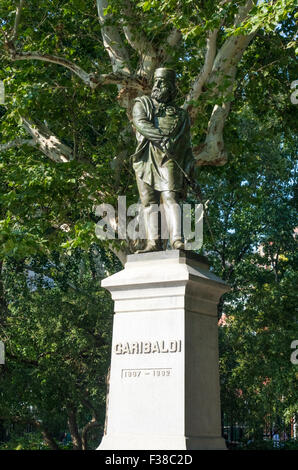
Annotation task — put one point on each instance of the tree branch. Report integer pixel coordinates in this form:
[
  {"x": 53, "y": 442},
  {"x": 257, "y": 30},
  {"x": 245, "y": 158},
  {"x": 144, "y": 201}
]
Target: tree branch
[
  {"x": 73, "y": 428},
  {"x": 48, "y": 438},
  {"x": 224, "y": 67},
  {"x": 29, "y": 362},
  {"x": 169, "y": 44},
  {"x": 17, "y": 143},
  {"x": 198, "y": 84},
  {"x": 90, "y": 79},
  {"x": 15, "y": 55},
  {"x": 210, "y": 59},
  {"x": 127, "y": 81},
  {"x": 112, "y": 40},
  {"x": 227, "y": 57},
  {"x": 17, "y": 20},
  {"x": 91, "y": 425},
  {"x": 243, "y": 12},
  {"x": 212, "y": 151},
  {"x": 48, "y": 143},
  {"x": 138, "y": 41},
  {"x": 216, "y": 66},
  {"x": 174, "y": 37},
  {"x": 232, "y": 49}
]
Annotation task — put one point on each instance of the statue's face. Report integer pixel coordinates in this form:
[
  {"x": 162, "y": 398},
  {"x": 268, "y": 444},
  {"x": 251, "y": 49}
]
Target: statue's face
[{"x": 162, "y": 90}]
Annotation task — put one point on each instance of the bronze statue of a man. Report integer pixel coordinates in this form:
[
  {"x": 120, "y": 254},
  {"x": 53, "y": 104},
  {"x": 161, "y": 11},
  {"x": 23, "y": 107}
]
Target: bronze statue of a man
[{"x": 163, "y": 151}]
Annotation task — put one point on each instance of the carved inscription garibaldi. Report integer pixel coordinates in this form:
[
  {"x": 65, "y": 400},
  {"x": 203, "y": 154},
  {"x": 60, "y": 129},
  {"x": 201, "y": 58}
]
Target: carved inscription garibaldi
[{"x": 163, "y": 151}]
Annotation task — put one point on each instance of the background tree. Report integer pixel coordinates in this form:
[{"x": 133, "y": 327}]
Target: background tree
[
  {"x": 255, "y": 218},
  {"x": 57, "y": 333}
]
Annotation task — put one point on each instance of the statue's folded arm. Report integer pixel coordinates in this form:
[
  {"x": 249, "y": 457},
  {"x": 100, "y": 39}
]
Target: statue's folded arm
[{"x": 144, "y": 126}]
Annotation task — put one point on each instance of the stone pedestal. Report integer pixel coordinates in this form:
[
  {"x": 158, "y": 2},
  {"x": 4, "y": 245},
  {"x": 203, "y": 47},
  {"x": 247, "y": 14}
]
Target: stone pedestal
[{"x": 164, "y": 382}]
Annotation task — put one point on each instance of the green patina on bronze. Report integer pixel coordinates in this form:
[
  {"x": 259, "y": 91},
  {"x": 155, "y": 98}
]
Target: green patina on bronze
[
  {"x": 163, "y": 134},
  {"x": 163, "y": 156}
]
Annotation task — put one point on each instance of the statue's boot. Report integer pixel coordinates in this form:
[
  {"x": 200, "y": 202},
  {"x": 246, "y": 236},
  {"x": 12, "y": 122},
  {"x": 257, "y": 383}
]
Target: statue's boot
[
  {"x": 173, "y": 214},
  {"x": 152, "y": 245},
  {"x": 178, "y": 245},
  {"x": 153, "y": 242}
]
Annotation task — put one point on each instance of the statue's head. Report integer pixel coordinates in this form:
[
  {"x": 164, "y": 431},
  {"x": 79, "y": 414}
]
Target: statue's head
[{"x": 164, "y": 85}]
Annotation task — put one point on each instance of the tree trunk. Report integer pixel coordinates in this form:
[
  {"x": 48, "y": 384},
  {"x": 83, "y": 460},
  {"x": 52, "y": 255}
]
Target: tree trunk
[
  {"x": 89, "y": 426},
  {"x": 107, "y": 400},
  {"x": 49, "y": 440},
  {"x": 73, "y": 429},
  {"x": 3, "y": 303}
]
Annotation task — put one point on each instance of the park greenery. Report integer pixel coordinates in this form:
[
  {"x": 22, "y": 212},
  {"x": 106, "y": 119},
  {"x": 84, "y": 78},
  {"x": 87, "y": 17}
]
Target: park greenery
[{"x": 71, "y": 71}]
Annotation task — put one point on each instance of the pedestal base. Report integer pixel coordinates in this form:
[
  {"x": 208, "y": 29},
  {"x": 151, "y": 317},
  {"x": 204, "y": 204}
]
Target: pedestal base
[{"x": 164, "y": 382}]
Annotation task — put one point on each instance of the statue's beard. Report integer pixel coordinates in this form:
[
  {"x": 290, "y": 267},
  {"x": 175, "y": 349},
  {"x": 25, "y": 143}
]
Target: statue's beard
[{"x": 161, "y": 95}]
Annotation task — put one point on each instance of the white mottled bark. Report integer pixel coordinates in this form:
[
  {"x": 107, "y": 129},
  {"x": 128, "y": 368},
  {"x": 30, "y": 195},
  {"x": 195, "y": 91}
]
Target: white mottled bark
[
  {"x": 112, "y": 41},
  {"x": 212, "y": 152},
  {"x": 224, "y": 64},
  {"x": 232, "y": 50},
  {"x": 131, "y": 82},
  {"x": 200, "y": 81},
  {"x": 227, "y": 57},
  {"x": 48, "y": 143},
  {"x": 17, "y": 143},
  {"x": 173, "y": 39},
  {"x": 17, "y": 19},
  {"x": 243, "y": 12},
  {"x": 88, "y": 79},
  {"x": 138, "y": 41}
]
